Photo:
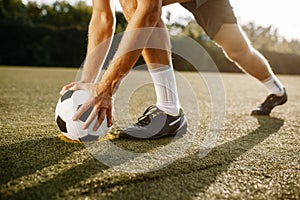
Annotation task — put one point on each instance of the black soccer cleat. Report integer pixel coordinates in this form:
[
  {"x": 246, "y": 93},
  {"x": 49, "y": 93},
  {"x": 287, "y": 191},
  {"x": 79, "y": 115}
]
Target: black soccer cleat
[
  {"x": 272, "y": 101},
  {"x": 155, "y": 124}
]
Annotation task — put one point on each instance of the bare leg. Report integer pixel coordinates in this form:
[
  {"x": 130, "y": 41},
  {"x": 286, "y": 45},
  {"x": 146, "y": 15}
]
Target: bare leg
[
  {"x": 161, "y": 70},
  {"x": 159, "y": 63},
  {"x": 154, "y": 123},
  {"x": 157, "y": 56},
  {"x": 237, "y": 48}
]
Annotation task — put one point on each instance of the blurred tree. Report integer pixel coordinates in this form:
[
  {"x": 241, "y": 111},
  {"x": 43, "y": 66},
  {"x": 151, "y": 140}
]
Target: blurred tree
[
  {"x": 121, "y": 22},
  {"x": 42, "y": 34},
  {"x": 63, "y": 14},
  {"x": 268, "y": 39},
  {"x": 14, "y": 11}
]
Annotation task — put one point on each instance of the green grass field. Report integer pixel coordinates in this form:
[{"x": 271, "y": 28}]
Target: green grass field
[{"x": 255, "y": 158}]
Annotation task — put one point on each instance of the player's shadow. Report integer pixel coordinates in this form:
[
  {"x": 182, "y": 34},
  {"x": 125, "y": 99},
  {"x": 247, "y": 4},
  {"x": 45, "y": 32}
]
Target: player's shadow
[
  {"x": 56, "y": 186},
  {"x": 197, "y": 173},
  {"x": 31, "y": 157},
  {"x": 28, "y": 157},
  {"x": 191, "y": 173},
  {"x": 24, "y": 158}
]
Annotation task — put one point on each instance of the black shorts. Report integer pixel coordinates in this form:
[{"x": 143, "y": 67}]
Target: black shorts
[{"x": 212, "y": 14}]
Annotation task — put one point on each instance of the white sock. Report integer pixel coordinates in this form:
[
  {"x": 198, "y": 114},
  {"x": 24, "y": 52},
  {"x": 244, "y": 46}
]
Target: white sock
[
  {"x": 166, "y": 89},
  {"x": 273, "y": 85}
]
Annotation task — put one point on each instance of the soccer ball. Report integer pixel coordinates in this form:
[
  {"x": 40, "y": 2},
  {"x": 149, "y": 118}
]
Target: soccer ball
[{"x": 66, "y": 107}]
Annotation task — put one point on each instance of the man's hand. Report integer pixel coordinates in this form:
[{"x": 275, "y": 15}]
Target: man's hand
[
  {"x": 67, "y": 87},
  {"x": 100, "y": 100},
  {"x": 80, "y": 85}
]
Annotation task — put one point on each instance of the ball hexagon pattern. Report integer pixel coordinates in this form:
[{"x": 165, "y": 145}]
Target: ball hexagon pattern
[{"x": 66, "y": 107}]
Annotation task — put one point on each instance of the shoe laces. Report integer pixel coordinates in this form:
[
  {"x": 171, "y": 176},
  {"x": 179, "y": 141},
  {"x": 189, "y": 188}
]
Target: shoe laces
[
  {"x": 145, "y": 119},
  {"x": 268, "y": 100}
]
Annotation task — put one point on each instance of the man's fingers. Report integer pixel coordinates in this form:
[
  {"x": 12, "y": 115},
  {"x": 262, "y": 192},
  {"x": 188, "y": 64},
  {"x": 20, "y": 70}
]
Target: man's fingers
[
  {"x": 66, "y": 87},
  {"x": 91, "y": 117},
  {"x": 109, "y": 117},
  {"x": 101, "y": 117},
  {"x": 82, "y": 109},
  {"x": 77, "y": 86},
  {"x": 74, "y": 86},
  {"x": 83, "y": 86}
]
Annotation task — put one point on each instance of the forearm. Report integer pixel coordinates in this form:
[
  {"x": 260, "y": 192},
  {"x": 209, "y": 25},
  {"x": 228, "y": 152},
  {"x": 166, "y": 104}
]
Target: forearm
[
  {"x": 134, "y": 40},
  {"x": 101, "y": 30}
]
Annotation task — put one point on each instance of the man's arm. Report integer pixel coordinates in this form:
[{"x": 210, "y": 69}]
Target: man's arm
[
  {"x": 137, "y": 33},
  {"x": 136, "y": 36},
  {"x": 100, "y": 32}
]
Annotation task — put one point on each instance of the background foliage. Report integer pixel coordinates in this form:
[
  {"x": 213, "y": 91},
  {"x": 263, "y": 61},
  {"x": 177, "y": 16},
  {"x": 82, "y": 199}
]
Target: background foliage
[{"x": 56, "y": 35}]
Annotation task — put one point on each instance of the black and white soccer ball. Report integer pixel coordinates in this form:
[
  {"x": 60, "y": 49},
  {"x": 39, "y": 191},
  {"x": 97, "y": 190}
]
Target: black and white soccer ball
[{"x": 66, "y": 107}]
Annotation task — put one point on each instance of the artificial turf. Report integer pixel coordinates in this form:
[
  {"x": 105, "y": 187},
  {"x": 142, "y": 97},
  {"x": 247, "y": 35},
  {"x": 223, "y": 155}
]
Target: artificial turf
[{"x": 254, "y": 157}]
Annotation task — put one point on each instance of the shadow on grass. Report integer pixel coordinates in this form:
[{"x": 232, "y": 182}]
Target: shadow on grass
[
  {"x": 183, "y": 179},
  {"x": 141, "y": 146},
  {"x": 138, "y": 145},
  {"x": 52, "y": 188},
  {"x": 191, "y": 175},
  {"x": 27, "y": 157}
]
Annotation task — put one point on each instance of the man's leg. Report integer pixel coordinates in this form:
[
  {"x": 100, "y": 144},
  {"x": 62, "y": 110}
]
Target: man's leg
[
  {"x": 219, "y": 22},
  {"x": 156, "y": 121},
  {"x": 161, "y": 70},
  {"x": 237, "y": 48}
]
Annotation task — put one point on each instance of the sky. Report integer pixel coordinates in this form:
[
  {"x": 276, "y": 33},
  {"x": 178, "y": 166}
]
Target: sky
[{"x": 284, "y": 15}]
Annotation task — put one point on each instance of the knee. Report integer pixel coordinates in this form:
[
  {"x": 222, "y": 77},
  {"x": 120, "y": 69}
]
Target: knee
[
  {"x": 239, "y": 53},
  {"x": 150, "y": 10}
]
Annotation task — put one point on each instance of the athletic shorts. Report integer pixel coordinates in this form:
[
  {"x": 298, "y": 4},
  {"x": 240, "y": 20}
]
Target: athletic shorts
[{"x": 212, "y": 14}]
